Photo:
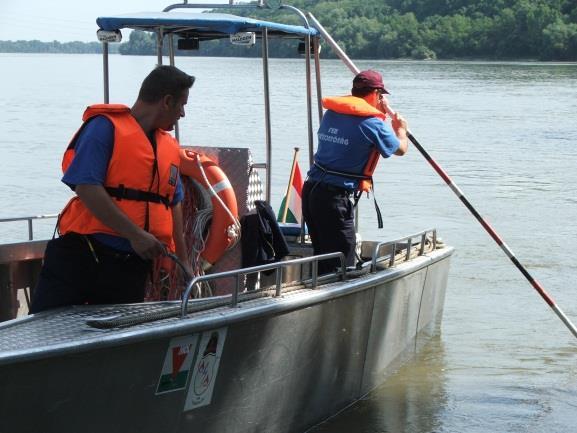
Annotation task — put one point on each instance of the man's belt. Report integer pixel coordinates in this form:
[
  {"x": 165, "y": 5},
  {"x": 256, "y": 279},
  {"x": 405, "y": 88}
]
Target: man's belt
[{"x": 341, "y": 173}]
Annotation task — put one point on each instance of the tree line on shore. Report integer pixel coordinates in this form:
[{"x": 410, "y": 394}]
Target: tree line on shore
[
  {"x": 419, "y": 29},
  {"x": 36, "y": 46}
]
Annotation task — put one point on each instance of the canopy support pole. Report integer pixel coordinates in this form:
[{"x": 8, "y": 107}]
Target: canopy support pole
[
  {"x": 267, "y": 112},
  {"x": 105, "y": 72}
]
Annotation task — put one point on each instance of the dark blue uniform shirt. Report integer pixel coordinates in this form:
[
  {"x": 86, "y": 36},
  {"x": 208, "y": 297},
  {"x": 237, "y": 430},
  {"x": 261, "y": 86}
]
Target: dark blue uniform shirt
[{"x": 345, "y": 143}]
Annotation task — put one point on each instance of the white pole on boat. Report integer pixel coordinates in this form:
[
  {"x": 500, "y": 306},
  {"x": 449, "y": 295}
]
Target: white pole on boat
[
  {"x": 308, "y": 79},
  {"x": 338, "y": 50},
  {"x": 267, "y": 112},
  {"x": 309, "y": 92},
  {"x": 536, "y": 285},
  {"x": 171, "y": 62},
  {"x": 159, "y": 40},
  {"x": 105, "y": 72},
  {"x": 317, "y": 53}
]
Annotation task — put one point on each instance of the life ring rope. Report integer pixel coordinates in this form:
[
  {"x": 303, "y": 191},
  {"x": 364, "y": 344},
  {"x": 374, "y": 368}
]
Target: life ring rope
[
  {"x": 234, "y": 234},
  {"x": 224, "y": 230}
]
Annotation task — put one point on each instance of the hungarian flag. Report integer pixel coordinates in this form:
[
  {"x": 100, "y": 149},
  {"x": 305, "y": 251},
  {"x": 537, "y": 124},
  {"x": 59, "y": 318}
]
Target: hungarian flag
[{"x": 293, "y": 212}]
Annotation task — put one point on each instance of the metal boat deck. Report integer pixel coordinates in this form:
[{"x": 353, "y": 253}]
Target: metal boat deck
[{"x": 67, "y": 330}]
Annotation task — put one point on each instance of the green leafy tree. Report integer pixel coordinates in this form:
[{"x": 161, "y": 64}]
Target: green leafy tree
[
  {"x": 423, "y": 29},
  {"x": 559, "y": 41}
]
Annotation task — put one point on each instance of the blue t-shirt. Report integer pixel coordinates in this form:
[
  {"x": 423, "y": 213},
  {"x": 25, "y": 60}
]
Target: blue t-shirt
[
  {"x": 345, "y": 144},
  {"x": 93, "y": 151}
]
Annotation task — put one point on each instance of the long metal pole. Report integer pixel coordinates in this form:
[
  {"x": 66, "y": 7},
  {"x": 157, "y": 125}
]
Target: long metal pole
[
  {"x": 317, "y": 53},
  {"x": 105, "y": 72},
  {"x": 338, "y": 50},
  {"x": 536, "y": 285},
  {"x": 267, "y": 112},
  {"x": 308, "y": 79},
  {"x": 309, "y": 98},
  {"x": 159, "y": 40},
  {"x": 171, "y": 60}
]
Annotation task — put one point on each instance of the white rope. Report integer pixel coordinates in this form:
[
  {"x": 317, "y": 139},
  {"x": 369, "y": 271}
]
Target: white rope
[
  {"x": 200, "y": 222},
  {"x": 235, "y": 233}
]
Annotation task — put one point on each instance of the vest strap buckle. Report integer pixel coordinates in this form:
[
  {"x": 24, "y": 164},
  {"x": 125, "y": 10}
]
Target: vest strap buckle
[{"x": 123, "y": 193}]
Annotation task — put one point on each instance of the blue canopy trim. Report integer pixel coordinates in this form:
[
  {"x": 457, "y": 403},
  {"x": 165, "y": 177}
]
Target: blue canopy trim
[{"x": 208, "y": 24}]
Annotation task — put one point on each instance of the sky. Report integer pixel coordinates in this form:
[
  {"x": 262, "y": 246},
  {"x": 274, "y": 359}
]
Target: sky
[{"x": 67, "y": 20}]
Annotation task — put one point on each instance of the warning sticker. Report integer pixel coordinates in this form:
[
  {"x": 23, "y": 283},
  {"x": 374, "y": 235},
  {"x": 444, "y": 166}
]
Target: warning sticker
[
  {"x": 177, "y": 364},
  {"x": 205, "y": 369}
]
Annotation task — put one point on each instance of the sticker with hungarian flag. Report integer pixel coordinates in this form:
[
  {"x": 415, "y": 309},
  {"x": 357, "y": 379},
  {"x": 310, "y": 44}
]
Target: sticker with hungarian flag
[{"x": 177, "y": 364}]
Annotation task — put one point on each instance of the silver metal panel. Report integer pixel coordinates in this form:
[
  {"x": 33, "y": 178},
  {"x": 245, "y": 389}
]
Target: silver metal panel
[
  {"x": 20, "y": 275},
  {"x": 394, "y": 325},
  {"x": 236, "y": 163},
  {"x": 433, "y": 299},
  {"x": 406, "y": 314},
  {"x": 19, "y": 269}
]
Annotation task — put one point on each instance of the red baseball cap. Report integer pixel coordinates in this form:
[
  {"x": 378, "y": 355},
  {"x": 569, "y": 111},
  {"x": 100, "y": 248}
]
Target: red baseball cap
[{"x": 369, "y": 80}]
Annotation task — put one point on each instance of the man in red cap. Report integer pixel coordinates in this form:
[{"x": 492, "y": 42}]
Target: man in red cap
[{"x": 352, "y": 137}]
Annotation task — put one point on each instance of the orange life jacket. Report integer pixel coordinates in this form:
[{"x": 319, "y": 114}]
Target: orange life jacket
[
  {"x": 141, "y": 188},
  {"x": 356, "y": 106}
]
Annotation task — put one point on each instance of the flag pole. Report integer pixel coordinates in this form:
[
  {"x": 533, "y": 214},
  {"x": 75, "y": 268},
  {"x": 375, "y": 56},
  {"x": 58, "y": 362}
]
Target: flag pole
[{"x": 288, "y": 190}]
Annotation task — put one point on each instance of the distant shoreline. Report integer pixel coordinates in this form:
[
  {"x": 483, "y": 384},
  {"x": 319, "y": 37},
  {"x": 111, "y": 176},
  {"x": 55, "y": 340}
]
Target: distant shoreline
[
  {"x": 78, "y": 47},
  {"x": 54, "y": 47},
  {"x": 455, "y": 59}
]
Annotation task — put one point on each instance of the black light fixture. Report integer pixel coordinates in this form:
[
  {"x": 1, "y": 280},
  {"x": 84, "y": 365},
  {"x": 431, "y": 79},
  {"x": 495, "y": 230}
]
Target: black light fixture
[
  {"x": 188, "y": 44},
  {"x": 302, "y": 47}
]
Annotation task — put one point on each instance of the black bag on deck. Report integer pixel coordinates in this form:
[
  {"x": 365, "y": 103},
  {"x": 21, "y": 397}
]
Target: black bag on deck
[{"x": 262, "y": 240}]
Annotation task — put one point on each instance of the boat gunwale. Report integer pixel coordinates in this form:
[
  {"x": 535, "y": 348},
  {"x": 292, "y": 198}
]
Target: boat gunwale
[{"x": 197, "y": 324}]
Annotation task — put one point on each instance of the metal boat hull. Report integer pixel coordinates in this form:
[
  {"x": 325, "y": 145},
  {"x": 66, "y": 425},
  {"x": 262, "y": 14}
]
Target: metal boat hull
[{"x": 282, "y": 368}]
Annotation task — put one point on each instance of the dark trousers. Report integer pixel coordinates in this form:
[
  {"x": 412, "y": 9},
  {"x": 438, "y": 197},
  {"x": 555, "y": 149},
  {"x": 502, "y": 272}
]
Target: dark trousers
[
  {"x": 329, "y": 215},
  {"x": 75, "y": 274}
]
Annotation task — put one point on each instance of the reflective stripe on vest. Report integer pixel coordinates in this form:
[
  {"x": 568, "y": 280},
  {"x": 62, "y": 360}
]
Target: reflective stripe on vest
[{"x": 131, "y": 168}]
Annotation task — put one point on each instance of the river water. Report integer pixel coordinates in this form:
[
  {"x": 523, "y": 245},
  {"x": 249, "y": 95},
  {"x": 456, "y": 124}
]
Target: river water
[{"x": 505, "y": 132}]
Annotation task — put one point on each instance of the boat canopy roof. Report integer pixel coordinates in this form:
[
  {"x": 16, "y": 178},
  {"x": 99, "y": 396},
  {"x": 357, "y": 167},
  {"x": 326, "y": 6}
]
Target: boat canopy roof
[{"x": 205, "y": 25}]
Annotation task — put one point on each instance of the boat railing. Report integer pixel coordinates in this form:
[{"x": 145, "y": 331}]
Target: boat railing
[
  {"x": 29, "y": 220},
  {"x": 403, "y": 248},
  {"x": 230, "y": 5},
  {"x": 278, "y": 267}
]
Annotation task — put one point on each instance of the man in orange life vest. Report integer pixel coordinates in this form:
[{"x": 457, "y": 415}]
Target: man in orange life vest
[
  {"x": 351, "y": 138},
  {"x": 124, "y": 168}
]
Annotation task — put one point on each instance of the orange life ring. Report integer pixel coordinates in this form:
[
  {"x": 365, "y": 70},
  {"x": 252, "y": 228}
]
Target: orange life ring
[{"x": 222, "y": 233}]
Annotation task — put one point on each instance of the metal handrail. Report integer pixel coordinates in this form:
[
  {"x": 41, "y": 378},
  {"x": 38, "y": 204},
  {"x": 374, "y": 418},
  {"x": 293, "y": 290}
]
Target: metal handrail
[
  {"x": 278, "y": 267},
  {"x": 408, "y": 241},
  {"x": 29, "y": 219},
  {"x": 230, "y": 5}
]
